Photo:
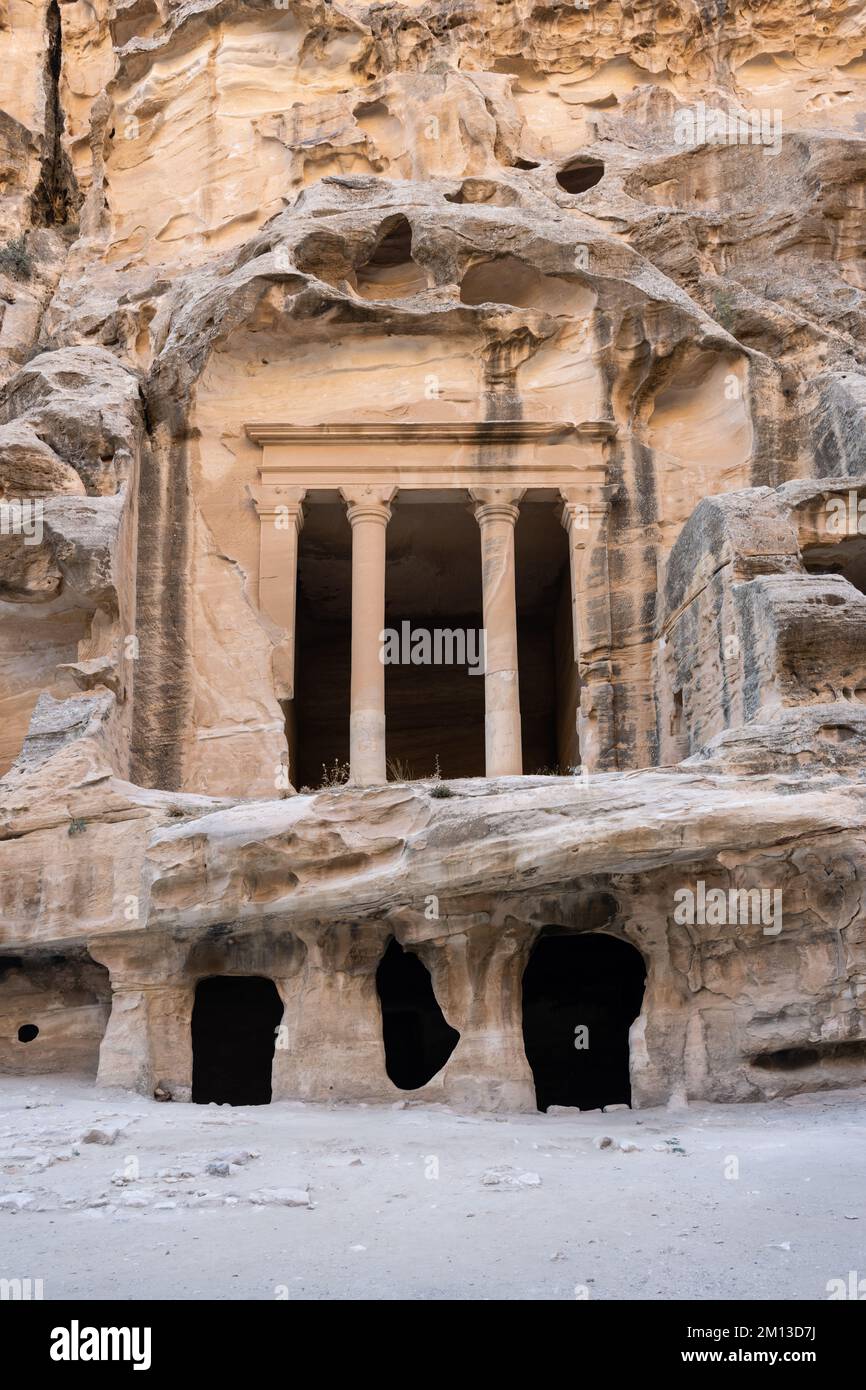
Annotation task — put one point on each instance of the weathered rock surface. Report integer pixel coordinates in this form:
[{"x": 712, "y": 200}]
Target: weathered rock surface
[{"x": 505, "y": 228}]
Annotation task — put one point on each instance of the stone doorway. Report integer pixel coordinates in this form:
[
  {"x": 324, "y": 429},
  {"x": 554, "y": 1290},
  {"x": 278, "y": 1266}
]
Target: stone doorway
[
  {"x": 234, "y": 1021},
  {"x": 581, "y": 994},
  {"x": 418, "y": 1040}
]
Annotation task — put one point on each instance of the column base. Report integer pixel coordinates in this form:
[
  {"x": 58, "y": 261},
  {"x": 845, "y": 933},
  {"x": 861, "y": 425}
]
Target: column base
[{"x": 367, "y": 762}]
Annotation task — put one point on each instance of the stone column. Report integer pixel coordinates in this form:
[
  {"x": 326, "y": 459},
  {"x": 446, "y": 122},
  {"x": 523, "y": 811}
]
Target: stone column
[
  {"x": 333, "y": 1020},
  {"x": 281, "y": 516},
  {"x": 147, "y": 1037},
  {"x": 477, "y": 978},
  {"x": 585, "y": 518},
  {"x": 369, "y": 513},
  {"x": 496, "y": 510}
]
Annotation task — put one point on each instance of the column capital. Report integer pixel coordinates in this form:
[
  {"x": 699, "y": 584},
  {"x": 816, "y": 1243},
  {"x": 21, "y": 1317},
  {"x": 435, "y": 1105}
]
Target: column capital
[
  {"x": 278, "y": 500},
  {"x": 584, "y": 509},
  {"x": 368, "y": 503},
  {"x": 497, "y": 503},
  {"x": 574, "y": 516}
]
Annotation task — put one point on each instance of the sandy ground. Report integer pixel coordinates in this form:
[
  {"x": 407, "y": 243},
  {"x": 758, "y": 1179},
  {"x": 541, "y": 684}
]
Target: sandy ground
[{"x": 420, "y": 1202}]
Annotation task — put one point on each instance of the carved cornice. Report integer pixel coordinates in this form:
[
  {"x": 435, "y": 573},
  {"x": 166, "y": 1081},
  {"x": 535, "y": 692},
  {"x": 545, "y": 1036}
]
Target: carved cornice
[{"x": 433, "y": 432}]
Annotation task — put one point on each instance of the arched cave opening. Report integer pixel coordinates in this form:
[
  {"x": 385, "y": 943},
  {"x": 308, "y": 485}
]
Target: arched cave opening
[
  {"x": 581, "y": 994},
  {"x": 234, "y": 1021},
  {"x": 418, "y": 1040},
  {"x": 580, "y": 175}
]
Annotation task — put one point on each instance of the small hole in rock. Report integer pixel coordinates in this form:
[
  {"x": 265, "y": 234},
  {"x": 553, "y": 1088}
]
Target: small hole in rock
[
  {"x": 581, "y": 176},
  {"x": 27, "y": 1032}
]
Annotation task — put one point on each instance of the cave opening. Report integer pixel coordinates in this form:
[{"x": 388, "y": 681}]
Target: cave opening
[
  {"x": 234, "y": 1022},
  {"x": 581, "y": 175},
  {"x": 581, "y": 994},
  {"x": 418, "y": 1040}
]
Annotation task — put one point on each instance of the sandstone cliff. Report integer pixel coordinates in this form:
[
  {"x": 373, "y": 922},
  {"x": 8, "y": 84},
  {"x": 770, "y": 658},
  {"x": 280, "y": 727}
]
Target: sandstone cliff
[{"x": 645, "y": 222}]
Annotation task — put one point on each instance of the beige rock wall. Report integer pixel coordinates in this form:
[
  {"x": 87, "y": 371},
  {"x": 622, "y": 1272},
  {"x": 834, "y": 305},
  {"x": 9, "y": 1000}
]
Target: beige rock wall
[
  {"x": 310, "y": 213},
  {"x": 67, "y": 999},
  {"x": 308, "y": 891}
]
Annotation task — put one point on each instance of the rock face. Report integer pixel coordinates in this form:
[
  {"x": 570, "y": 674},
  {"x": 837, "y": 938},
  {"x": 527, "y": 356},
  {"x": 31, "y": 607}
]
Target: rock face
[{"x": 433, "y": 509}]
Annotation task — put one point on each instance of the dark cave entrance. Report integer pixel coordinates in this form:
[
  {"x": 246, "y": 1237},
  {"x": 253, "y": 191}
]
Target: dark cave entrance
[
  {"x": 418, "y": 1041},
  {"x": 580, "y": 175},
  {"x": 234, "y": 1020},
  {"x": 581, "y": 993}
]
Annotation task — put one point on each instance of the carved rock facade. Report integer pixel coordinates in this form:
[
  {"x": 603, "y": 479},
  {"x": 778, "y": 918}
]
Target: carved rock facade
[{"x": 328, "y": 321}]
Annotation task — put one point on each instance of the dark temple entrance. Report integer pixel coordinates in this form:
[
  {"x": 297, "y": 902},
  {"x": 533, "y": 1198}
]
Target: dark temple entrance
[
  {"x": 234, "y": 1020},
  {"x": 418, "y": 1041},
  {"x": 581, "y": 993}
]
